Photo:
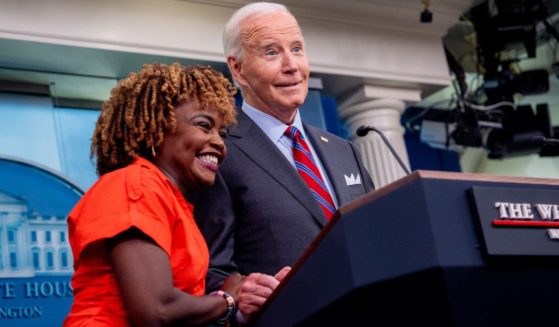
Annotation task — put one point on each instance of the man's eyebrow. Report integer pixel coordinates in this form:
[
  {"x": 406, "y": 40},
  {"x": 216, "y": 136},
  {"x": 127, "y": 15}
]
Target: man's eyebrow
[{"x": 266, "y": 44}]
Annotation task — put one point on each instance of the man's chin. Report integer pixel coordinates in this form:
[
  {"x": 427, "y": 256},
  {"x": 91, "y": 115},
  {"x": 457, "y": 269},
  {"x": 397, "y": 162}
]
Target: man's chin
[{"x": 294, "y": 102}]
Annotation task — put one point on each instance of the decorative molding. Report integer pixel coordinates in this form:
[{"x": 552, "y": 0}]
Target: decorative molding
[
  {"x": 411, "y": 79},
  {"x": 370, "y": 92},
  {"x": 400, "y": 15},
  {"x": 118, "y": 45}
]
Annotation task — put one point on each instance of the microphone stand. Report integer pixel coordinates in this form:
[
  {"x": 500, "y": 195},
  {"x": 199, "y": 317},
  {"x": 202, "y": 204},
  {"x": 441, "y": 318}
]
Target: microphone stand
[{"x": 363, "y": 130}]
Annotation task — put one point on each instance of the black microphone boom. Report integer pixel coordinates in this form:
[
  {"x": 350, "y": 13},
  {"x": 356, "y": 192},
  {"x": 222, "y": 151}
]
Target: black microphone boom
[
  {"x": 545, "y": 141},
  {"x": 363, "y": 130}
]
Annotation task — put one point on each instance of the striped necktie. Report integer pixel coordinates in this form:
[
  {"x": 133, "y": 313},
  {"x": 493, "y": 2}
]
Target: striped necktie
[{"x": 309, "y": 171}]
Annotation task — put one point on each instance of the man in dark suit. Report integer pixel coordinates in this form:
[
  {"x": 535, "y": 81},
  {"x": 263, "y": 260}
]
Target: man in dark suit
[{"x": 261, "y": 213}]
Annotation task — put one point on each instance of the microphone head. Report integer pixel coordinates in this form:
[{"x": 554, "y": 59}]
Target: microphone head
[
  {"x": 538, "y": 140},
  {"x": 362, "y": 131}
]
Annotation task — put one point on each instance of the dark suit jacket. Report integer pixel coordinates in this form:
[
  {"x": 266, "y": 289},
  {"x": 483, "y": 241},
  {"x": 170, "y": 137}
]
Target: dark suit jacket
[{"x": 259, "y": 216}]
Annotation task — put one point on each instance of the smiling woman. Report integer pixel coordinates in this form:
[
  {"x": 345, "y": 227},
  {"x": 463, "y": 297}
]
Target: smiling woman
[
  {"x": 190, "y": 156},
  {"x": 139, "y": 257}
]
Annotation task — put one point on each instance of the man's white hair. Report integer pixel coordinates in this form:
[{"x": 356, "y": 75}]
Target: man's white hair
[{"x": 232, "y": 42}]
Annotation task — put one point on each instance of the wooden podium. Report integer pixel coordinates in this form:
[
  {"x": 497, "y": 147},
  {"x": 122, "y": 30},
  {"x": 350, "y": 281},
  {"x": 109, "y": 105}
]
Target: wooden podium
[{"x": 442, "y": 249}]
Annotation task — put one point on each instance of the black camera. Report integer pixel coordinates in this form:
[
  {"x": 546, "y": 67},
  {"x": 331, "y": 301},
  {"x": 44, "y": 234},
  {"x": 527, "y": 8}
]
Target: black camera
[{"x": 426, "y": 16}]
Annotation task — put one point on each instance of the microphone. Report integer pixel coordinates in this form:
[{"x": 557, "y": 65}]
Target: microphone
[
  {"x": 545, "y": 141},
  {"x": 364, "y": 130}
]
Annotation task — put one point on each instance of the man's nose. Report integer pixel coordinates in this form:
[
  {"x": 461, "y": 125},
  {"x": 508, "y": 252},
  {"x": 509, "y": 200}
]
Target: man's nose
[{"x": 290, "y": 63}]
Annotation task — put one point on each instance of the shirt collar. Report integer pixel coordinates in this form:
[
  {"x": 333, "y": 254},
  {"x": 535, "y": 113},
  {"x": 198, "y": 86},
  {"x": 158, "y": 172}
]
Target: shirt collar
[{"x": 270, "y": 125}]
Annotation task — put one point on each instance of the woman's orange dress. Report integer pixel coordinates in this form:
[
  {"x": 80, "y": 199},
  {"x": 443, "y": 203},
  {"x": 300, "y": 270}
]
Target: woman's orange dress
[{"x": 139, "y": 196}]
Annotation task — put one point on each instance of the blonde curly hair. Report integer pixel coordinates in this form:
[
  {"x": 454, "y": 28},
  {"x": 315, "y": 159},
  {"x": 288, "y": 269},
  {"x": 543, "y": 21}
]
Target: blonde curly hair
[{"x": 141, "y": 110}]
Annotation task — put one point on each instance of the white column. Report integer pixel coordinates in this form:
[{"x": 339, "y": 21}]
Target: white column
[{"x": 369, "y": 107}]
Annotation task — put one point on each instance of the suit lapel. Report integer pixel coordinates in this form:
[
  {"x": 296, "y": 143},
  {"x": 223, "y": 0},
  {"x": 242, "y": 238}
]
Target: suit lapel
[
  {"x": 252, "y": 141},
  {"x": 324, "y": 151}
]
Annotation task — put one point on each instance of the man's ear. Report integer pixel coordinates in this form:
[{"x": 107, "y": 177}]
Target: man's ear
[{"x": 235, "y": 69}]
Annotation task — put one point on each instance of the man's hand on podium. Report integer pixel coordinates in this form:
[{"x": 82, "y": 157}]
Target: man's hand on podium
[{"x": 255, "y": 291}]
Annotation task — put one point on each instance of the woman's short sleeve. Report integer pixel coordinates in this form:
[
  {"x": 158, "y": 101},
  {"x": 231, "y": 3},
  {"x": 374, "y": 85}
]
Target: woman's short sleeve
[{"x": 134, "y": 196}]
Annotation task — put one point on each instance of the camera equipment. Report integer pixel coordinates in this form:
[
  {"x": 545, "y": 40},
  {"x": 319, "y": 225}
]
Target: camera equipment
[{"x": 489, "y": 116}]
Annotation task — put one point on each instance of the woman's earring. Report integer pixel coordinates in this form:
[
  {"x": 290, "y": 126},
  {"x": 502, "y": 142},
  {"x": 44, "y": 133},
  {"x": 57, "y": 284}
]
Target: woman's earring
[{"x": 153, "y": 154}]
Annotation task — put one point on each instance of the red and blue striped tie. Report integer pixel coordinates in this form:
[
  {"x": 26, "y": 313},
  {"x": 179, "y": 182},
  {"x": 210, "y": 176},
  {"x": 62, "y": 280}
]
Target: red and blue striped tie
[{"x": 309, "y": 171}]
